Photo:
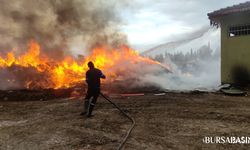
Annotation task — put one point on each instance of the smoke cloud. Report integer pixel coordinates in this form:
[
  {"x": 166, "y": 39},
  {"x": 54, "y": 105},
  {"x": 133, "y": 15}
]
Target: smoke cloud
[
  {"x": 206, "y": 78},
  {"x": 60, "y": 25},
  {"x": 195, "y": 63}
]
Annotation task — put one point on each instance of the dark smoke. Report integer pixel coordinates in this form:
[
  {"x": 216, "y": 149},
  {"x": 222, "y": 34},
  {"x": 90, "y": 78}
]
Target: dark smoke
[{"x": 56, "y": 24}]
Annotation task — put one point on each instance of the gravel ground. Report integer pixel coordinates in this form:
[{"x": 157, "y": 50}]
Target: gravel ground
[{"x": 171, "y": 121}]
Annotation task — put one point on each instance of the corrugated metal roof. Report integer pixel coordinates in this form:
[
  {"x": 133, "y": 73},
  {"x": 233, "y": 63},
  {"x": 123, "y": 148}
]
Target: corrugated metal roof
[{"x": 242, "y": 7}]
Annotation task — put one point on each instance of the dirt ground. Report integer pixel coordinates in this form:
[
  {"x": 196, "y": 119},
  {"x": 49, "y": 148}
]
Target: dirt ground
[{"x": 172, "y": 121}]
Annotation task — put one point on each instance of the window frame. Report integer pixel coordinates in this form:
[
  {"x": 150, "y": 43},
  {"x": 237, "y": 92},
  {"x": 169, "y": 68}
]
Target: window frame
[{"x": 238, "y": 30}]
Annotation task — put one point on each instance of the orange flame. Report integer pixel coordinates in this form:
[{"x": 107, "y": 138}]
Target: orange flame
[{"x": 63, "y": 74}]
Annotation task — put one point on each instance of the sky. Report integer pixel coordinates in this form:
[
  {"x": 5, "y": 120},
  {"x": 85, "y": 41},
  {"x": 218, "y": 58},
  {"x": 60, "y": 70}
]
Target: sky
[{"x": 149, "y": 23}]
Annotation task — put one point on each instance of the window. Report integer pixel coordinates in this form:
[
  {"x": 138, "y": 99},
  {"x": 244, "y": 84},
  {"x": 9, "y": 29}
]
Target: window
[{"x": 239, "y": 30}]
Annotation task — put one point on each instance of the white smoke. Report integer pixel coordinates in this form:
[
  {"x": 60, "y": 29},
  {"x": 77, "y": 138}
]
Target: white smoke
[
  {"x": 207, "y": 79},
  {"x": 203, "y": 73}
]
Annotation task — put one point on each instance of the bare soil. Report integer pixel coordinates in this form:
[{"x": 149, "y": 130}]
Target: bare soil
[{"x": 172, "y": 121}]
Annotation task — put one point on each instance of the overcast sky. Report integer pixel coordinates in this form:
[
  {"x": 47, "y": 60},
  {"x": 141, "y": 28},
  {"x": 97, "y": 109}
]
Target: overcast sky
[{"x": 152, "y": 22}]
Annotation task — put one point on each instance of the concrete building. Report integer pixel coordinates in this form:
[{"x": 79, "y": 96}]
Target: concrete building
[{"x": 235, "y": 42}]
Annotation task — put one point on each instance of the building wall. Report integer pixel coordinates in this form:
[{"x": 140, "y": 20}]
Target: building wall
[{"x": 235, "y": 51}]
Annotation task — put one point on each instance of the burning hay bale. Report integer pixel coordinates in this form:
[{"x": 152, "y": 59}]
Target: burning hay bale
[
  {"x": 18, "y": 77},
  {"x": 34, "y": 70}
]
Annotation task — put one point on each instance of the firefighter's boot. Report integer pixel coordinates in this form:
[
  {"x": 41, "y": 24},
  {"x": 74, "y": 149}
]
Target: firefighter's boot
[
  {"x": 86, "y": 107},
  {"x": 91, "y": 107}
]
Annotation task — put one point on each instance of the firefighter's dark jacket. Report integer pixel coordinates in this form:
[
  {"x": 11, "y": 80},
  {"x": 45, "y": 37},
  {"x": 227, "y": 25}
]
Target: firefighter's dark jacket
[{"x": 93, "y": 76}]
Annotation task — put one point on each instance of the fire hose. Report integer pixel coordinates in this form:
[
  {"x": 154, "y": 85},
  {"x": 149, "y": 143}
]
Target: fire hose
[{"x": 125, "y": 114}]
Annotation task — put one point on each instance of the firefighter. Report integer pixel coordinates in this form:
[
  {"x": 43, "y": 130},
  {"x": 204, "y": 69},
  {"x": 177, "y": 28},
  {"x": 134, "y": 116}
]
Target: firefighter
[{"x": 93, "y": 76}]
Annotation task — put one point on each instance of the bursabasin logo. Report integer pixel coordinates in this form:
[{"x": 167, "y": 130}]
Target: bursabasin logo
[{"x": 225, "y": 140}]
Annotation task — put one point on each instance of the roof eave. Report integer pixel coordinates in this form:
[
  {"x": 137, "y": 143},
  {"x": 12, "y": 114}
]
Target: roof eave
[{"x": 214, "y": 20}]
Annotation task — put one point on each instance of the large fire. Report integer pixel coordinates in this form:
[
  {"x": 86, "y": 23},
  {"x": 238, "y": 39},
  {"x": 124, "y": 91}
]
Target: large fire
[{"x": 70, "y": 71}]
